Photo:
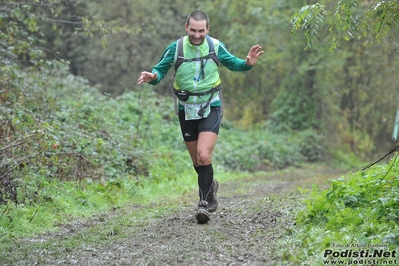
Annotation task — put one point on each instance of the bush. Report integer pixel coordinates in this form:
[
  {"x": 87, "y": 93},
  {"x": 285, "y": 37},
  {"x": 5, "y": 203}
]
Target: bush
[
  {"x": 57, "y": 126},
  {"x": 360, "y": 209},
  {"x": 260, "y": 149}
]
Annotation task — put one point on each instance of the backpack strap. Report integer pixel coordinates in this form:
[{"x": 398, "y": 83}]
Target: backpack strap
[
  {"x": 212, "y": 53},
  {"x": 180, "y": 54}
]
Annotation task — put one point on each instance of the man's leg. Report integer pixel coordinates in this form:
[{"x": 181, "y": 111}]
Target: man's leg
[
  {"x": 201, "y": 155},
  {"x": 200, "y": 138}
]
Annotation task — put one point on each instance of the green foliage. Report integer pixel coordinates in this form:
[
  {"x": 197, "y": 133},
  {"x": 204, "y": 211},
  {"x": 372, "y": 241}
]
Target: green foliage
[
  {"x": 19, "y": 37},
  {"x": 309, "y": 17},
  {"x": 384, "y": 18},
  {"x": 111, "y": 43},
  {"x": 59, "y": 127},
  {"x": 26, "y": 28},
  {"x": 259, "y": 149},
  {"x": 348, "y": 19},
  {"x": 293, "y": 111},
  {"x": 362, "y": 209}
]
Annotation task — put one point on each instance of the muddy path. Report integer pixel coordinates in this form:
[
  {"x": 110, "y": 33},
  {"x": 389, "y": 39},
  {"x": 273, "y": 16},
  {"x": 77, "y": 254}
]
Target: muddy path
[{"x": 253, "y": 216}]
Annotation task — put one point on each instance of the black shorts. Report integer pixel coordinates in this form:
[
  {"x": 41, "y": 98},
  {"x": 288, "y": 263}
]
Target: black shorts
[{"x": 190, "y": 129}]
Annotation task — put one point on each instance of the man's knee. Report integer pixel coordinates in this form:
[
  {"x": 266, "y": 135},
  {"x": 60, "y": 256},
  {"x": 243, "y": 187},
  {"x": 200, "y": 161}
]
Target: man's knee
[{"x": 204, "y": 157}]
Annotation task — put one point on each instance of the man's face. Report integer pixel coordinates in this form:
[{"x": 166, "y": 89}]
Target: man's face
[{"x": 197, "y": 31}]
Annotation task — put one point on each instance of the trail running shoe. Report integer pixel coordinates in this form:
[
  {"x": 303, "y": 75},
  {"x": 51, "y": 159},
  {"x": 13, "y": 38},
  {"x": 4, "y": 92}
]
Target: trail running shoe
[
  {"x": 212, "y": 199},
  {"x": 202, "y": 212}
]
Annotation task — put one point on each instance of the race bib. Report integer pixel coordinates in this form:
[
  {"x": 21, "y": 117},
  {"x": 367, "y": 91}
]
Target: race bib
[{"x": 192, "y": 111}]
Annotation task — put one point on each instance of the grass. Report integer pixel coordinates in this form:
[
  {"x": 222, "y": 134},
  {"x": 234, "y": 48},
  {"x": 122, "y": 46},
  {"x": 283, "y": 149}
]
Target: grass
[
  {"x": 65, "y": 201},
  {"x": 357, "y": 210}
]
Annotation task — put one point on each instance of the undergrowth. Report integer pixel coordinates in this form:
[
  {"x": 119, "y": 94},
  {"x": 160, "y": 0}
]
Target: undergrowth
[
  {"x": 67, "y": 150},
  {"x": 357, "y": 212}
]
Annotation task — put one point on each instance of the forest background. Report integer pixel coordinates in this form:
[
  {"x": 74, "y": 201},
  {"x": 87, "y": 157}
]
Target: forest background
[
  {"x": 71, "y": 108},
  {"x": 347, "y": 96}
]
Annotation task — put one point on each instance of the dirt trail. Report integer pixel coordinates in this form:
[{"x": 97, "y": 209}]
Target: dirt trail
[{"x": 253, "y": 215}]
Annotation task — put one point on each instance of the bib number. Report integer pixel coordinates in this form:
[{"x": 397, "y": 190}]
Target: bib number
[{"x": 193, "y": 111}]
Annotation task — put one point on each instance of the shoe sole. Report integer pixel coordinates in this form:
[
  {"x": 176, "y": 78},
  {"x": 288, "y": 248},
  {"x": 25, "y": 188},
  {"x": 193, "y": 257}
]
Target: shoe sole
[{"x": 202, "y": 216}]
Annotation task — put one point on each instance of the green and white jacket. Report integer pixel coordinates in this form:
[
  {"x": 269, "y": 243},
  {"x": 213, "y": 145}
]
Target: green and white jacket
[{"x": 188, "y": 76}]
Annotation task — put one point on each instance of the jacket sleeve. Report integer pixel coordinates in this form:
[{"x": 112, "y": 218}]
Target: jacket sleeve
[
  {"x": 165, "y": 63},
  {"x": 230, "y": 61}
]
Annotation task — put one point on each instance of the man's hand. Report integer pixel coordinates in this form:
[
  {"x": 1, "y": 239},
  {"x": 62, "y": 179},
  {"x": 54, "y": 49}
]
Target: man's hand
[
  {"x": 147, "y": 77},
  {"x": 254, "y": 54}
]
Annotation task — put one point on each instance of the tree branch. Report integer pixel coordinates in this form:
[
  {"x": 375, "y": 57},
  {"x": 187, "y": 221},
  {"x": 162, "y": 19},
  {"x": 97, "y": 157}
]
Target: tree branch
[{"x": 12, "y": 145}]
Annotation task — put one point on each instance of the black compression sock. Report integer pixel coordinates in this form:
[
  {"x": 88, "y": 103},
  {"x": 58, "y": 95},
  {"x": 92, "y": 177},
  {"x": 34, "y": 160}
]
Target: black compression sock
[
  {"x": 196, "y": 168},
  {"x": 205, "y": 179}
]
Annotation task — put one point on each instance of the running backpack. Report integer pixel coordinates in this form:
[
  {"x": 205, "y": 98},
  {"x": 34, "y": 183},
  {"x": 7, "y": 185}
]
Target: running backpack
[
  {"x": 180, "y": 54},
  {"x": 180, "y": 60}
]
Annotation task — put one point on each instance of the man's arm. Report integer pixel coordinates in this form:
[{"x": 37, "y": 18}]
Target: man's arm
[
  {"x": 160, "y": 70},
  {"x": 234, "y": 63}
]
